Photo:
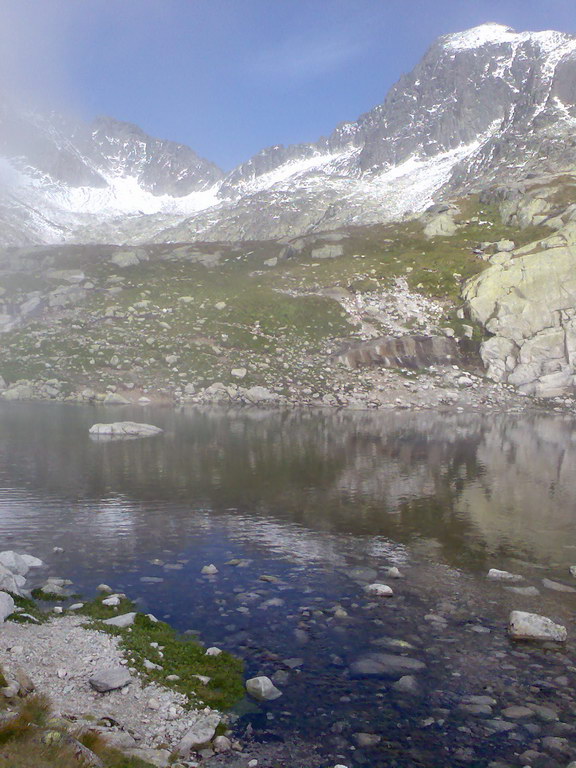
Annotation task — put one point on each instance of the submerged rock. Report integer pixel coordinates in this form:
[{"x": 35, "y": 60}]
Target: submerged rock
[
  {"x": 531, "y": 626},
  {"x": 124, "y": 429},
  {"x": 557, "y": 586},
  {"x": 385, "y": 665}
]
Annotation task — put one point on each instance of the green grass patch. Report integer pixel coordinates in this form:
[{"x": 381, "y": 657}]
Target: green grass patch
[
  {"x": 28, "y": 606},
  {"x": 96, "y": 610},
  {"x": 182, "y": 656}
]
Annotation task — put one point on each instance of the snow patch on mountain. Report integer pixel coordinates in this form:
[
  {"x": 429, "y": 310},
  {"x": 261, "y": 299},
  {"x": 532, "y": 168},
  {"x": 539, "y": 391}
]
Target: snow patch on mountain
[
  {"x": 122, "y": 195},
  {"x": 298, "y": 168},
  {"x": 499, "y": 34}
]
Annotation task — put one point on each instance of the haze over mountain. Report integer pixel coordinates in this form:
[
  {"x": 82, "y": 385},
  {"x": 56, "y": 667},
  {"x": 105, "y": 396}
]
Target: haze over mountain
[{"x": 483, "y": 107}]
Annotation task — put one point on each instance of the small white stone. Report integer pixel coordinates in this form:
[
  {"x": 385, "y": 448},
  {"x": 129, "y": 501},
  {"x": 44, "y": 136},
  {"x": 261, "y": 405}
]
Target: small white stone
[
  {"x": 104, "y": 588},
  {"x": 209, "y": 570},
  {"x": 379, "y": 590},
  {"x": 213, "y": 651}
]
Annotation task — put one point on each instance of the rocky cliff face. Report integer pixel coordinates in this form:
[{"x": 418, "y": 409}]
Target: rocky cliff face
[
  {"x": 526, "y": 299},
  {"x": 485, "y": 106}
]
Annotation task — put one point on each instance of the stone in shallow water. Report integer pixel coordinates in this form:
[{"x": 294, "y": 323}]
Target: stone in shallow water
[
  {"x": 407, "y": 684},
  {"x": 361, "y": 573},
  {"x": 110, "y": 678},
  {"x": 262, "y": 688},
  {"x": 496, "y": 575},
  {"x": 557, "y": 586},
  {"x": 517, "y": 712},
  {"x": 531, "y": 626},
  {"x": 367, "y": 739},
  {"x": 385, "y": 665},
  {"x": 526, "y": 591}
]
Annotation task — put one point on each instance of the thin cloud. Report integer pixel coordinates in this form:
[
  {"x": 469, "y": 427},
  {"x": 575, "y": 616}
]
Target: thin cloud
[{"x": 298, "y": 59}]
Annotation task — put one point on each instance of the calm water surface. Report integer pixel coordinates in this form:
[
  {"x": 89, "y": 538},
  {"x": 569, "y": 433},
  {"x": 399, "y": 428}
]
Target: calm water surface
[{"x": 325, "y": 502}]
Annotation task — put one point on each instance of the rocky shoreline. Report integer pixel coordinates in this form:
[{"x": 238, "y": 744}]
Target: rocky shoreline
[
  {"x": 89, "y": 678},
  {"x": 94, "y": 685},
  {"x": 367, "y": 389}
]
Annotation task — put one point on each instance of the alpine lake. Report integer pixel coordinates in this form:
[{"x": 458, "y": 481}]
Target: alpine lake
[{"x": 299, "y": 511}]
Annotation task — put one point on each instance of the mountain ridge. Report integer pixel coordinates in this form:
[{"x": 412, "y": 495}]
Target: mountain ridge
[{"x": 485, "y": 106}]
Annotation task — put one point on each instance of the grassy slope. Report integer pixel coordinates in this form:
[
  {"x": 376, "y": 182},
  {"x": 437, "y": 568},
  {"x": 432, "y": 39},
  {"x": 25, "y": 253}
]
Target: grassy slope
[{"x": 273, "y": 321}]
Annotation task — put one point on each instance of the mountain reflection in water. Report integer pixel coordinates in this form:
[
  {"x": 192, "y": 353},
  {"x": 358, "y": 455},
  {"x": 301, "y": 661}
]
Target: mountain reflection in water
[{"x": 468, "y": 488}]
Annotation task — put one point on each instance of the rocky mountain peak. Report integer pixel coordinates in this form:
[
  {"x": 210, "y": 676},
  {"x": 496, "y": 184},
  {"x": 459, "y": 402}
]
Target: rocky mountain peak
[{"x": 484, "y": 106}]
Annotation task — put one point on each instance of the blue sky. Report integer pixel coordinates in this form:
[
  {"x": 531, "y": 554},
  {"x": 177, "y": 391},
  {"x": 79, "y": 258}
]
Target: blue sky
[{"x": 229, "y": 77}]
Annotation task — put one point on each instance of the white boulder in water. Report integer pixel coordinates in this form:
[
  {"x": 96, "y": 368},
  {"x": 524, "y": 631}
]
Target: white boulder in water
[
  {"x": 531, "y": 626},
  {"x": 124, "y": 429}
]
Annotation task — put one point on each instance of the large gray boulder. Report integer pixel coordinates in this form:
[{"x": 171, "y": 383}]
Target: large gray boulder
[{"x": 19, "y": 564}]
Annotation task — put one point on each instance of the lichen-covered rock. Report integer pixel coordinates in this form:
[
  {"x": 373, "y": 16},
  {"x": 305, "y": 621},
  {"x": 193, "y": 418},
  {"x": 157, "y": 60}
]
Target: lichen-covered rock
[{"x": 528, "y": 304}]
